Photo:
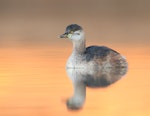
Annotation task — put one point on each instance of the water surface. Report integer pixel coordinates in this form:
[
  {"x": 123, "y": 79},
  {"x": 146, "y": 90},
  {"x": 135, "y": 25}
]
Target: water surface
[{"x": 33, "y": 81}]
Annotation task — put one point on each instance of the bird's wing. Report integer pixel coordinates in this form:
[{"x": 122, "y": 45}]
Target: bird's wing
[{"x": 99, "y": 52}]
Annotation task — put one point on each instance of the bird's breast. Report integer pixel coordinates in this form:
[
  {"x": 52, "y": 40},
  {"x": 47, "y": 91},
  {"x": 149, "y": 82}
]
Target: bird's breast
[
  {"x": 75, "y": 63},
  {"x": 79, "y": 62}
]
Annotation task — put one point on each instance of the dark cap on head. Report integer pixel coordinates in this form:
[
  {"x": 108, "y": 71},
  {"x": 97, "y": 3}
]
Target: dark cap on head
[
  {"x": 70, "y": 29},
  {"x": 73, "y": 27}
]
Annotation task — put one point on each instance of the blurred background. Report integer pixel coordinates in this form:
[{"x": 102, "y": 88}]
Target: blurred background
[
  {"x": 40, "y": 22},
  {"x": 33, "y": 80}
]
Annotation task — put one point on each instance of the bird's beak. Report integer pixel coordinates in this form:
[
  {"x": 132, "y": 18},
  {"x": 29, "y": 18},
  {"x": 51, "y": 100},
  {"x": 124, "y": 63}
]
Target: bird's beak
[{"x": 65, "y": 35}]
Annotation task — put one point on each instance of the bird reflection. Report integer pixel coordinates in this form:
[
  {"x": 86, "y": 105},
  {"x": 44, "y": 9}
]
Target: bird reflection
[{"x": 99, "y": 78}]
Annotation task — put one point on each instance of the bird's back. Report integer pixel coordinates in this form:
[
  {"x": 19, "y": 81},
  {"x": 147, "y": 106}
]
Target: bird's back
[{"x": 104, "y": 55}]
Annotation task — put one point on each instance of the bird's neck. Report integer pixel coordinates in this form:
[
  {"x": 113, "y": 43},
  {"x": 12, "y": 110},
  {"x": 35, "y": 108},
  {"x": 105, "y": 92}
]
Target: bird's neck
[{"x": 79, "y": 46}]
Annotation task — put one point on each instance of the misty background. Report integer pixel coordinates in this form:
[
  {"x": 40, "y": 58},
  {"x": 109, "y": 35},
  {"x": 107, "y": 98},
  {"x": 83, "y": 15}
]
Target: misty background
[{"x": 40, "y": 22}]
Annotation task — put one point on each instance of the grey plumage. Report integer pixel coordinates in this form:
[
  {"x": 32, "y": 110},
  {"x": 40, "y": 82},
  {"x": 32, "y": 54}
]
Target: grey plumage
[
  {"x": 98, "y": 52},
  {"x": 73, "y": 27}
]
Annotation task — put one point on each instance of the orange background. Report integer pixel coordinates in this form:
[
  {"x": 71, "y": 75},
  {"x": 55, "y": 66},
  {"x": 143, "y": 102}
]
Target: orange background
[{"x": 33, "y": 80}]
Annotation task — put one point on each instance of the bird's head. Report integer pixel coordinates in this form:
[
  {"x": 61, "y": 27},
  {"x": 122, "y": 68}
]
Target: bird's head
[{"x": 73, "y": 32}]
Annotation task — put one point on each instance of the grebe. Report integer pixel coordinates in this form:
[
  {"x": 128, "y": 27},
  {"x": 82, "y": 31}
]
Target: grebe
[
  {"x": 90, "y": 61},
  {"x": 92, "y": 57}
]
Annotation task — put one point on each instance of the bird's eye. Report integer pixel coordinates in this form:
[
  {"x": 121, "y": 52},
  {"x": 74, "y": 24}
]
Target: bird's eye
[{"x": 71, "y": 32}]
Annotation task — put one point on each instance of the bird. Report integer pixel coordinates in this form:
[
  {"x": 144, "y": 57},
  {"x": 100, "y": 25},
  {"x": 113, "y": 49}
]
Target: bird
[
  {"x": 86, "y": 64},
  {"x": 92, "y": 57}
]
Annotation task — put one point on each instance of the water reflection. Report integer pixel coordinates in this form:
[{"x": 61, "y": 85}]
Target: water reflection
[{"x": 99, "y": 78}]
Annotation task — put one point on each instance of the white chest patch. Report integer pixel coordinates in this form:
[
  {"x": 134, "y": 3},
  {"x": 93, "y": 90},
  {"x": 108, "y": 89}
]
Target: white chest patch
[
  {"x": 80, "y": 63},
  {"x": 75, "y": 63}
]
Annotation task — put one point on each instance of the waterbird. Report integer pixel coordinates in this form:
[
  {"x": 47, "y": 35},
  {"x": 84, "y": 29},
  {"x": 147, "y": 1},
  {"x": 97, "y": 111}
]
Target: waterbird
[{"x": 86, "y": 66}]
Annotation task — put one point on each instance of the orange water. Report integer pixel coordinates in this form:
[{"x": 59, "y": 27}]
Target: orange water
[{"x": 33, "y": 82}]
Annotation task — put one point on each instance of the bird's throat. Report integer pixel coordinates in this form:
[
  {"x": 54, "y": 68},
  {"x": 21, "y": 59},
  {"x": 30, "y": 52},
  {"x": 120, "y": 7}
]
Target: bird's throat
[{"x": 79, "y": 47}]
